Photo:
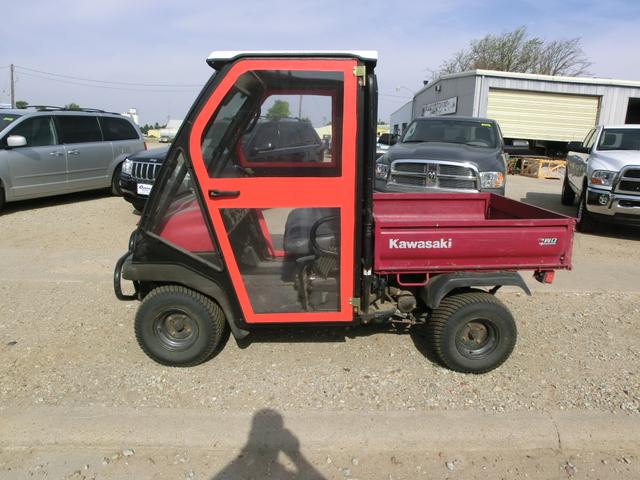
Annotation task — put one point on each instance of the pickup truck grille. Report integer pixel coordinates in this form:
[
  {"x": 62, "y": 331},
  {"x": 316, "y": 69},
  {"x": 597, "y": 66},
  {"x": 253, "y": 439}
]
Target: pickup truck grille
[
  {"x": 145, "y": 171},
  {"x": 629, "y": 181},
  {"x": 433, "y": 174}
]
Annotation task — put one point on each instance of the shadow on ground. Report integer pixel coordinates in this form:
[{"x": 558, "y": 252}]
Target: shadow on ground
[
  {"x": 46, "y": 202},
  {"x": 260, "y": 457}
]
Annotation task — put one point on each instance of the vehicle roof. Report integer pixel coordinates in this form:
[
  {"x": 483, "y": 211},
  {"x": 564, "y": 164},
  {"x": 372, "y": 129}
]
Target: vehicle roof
[
  {"x": 623, "y": 126},
  {"x": 33, "y": 110},
  {"x": 456, "y": 117},
  {"x": 219, "y": 58}
]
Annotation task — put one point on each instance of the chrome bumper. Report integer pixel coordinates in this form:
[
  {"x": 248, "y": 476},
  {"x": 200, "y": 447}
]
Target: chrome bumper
[{"x": 616, "y": 203}]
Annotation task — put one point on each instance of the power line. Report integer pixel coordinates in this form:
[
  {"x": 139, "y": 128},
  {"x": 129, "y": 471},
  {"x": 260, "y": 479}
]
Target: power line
[
  {"x": 69, "y": 82},
  {"x": 175, "y": 85}
]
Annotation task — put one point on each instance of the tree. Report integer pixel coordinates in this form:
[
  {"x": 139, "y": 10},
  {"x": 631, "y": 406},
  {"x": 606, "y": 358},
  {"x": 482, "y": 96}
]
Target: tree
[
  {"x": 516, "y": 51},
  {"x": 72, "y": 106},
  {"x": 279, "y": 109},
  {"x": 22, "y": 104}
]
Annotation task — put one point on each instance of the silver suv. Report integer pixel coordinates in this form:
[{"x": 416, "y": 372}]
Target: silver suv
[{"x": 51, "y": 151}]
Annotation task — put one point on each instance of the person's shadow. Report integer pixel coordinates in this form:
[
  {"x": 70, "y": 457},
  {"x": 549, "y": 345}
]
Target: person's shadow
[{"x": 259, "y": 457}]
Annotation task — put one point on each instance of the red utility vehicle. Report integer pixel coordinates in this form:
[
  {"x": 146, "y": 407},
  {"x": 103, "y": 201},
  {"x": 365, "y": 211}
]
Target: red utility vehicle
[{"x": 226, "y": 243}]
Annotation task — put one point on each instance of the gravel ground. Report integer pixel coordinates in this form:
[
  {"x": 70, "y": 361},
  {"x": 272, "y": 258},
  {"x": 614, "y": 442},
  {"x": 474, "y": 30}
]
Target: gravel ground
[{"x": 65, "y": 340}]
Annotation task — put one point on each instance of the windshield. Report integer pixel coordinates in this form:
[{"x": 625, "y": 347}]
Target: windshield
[
  {"x": 465, "y": 132},
  {"x": 6, "y": 119},
  {"x": 620, "y": 139}
]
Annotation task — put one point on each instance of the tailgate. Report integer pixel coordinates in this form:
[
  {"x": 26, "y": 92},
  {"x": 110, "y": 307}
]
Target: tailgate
[{"x": 477, "y": 231}]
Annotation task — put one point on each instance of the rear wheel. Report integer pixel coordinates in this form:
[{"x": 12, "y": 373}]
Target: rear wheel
[
  {"x": 2, "y": 198},
  {"x": 115, "y": 181},
  {"x": 568, "y": 196},
  {"x": 179, "y": 327},
  {"x": 472, "y": 332}
]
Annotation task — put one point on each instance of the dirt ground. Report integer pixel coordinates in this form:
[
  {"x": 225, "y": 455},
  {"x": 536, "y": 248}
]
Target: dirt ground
[{"x": 66, "y": 342}]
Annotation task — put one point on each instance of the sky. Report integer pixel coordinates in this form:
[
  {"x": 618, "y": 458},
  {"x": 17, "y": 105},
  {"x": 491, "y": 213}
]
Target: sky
[{"x": 159, "y": 47}]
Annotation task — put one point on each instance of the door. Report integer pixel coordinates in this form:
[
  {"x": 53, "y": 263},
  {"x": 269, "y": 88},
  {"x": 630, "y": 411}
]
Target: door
[
  {"x": 88, "y": 155},
  {"x": 280, "y": 199},
  {"x": 39, "y": 168},
  {"x": 542, "y": 115}
]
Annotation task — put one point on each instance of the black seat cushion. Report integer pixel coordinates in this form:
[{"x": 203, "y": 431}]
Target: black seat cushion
[{"x": 297, "y": 230}]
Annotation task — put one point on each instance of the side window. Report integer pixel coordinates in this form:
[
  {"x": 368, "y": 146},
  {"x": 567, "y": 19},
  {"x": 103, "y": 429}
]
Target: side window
[
  {"x": 277, "y": 124},
  {"x": 38, "y": 131},
  {"x": 79, "y": 128},
  {"x": 118, "y": 129},
  {"x": 590, "y": 139}
]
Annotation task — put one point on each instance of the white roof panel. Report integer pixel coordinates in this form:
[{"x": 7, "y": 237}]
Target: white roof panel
[{"x": 228, "y": 55}]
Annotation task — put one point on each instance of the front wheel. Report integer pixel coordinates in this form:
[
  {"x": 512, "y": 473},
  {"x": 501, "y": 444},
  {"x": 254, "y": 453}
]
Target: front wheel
[
  {"x": 115, "y": 181},
  {"x": 472, "y": 332},
  {"x": 585, "y": 222},
  {"x": 179, "y": 327}
]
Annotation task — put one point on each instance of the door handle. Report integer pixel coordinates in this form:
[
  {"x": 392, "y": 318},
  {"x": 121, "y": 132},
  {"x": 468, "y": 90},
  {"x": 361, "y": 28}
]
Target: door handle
[
  {"x": 73, "y": 152},
  {"x": 223, "y": 193},
  {"x": 55, "y": 154}
]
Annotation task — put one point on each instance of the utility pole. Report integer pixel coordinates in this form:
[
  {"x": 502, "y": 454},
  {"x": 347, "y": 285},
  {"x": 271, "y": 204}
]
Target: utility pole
[{"x": 13, "y": 89}]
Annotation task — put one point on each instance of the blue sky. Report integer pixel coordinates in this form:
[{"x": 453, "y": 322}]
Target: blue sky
[{"x": 166, "y": 42}]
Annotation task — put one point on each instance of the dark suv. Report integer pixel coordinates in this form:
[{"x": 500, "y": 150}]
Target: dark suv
[
  {"x": 439, "y": 154},
  {"x": 138, "y": 173}
]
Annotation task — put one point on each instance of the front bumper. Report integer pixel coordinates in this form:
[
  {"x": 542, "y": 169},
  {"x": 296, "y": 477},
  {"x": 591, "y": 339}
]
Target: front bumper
[
  {"x": 384, "y": 187},
  {"x": 129, "y": 187},
  {"x": 614, "y": 207}
]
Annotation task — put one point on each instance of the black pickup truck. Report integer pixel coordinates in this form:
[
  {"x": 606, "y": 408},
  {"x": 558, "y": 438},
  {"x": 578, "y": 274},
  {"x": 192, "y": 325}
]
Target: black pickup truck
[{"x": 445, "y": 154}]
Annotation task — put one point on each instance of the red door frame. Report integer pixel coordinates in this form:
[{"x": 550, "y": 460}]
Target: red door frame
[{"x": 286, "y": 192}]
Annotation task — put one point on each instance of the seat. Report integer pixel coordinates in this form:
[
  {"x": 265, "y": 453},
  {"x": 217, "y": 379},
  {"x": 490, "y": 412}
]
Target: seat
[
  {"x": 297, "y": 230},
  {"x": 297, "y": 237}
]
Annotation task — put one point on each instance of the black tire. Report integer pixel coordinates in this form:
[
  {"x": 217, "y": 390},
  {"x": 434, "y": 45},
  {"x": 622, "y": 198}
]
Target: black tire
[
  {"x": 115, "y": 182},
  {"x": 461, "y": 317},
  {"x": 2, "y": 197},
  {"x": 139, "y": 204},
  {"x": 568, "y": 196},
  {"x": 179, "y": 327},
  {"x": 585, "y": 222}
]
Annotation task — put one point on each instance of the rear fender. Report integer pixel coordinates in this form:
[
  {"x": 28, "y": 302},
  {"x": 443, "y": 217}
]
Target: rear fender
[{"x": 441, "y": 285}]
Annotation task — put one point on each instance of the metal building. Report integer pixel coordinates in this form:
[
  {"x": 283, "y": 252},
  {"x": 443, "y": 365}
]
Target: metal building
[{"x": 527, "y": 106}]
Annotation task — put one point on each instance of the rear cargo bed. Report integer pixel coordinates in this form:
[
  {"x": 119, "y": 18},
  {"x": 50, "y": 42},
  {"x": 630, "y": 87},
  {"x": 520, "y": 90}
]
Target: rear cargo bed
[{"x": 446, "y": 232}]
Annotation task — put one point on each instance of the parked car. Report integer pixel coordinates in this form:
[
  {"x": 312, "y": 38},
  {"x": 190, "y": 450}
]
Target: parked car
[
  {"x": 51, "y": 151},
  {"x": 165, "y": 139},
  {"x": 138, "y": 173},
  {"x": 282, "y": 140},
  {"x": 603, "y": 174},
  {"x": 384, "y": 141},
  {"x": 440, "y": 154}
]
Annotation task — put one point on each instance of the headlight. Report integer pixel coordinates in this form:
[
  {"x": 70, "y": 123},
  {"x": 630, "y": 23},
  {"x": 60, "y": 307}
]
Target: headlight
[
  {"x": 382, "y": 170},
  {"x": 604, "y": 178},
  {"x": 127, "y": 166},
  {"x": 491, "y": 179}
]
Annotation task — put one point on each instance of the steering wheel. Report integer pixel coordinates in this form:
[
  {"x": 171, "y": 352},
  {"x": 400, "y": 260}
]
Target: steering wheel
[{"x": 317, "y": 249}]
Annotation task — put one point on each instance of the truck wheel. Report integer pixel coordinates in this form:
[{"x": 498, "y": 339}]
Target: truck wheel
[
  {"x": 2, "y": 198},
  {"x": 115, "y": 182},
  {"x": 568, "y": 196},
  {"x": 585, "y": 221},
  {"x": 472, "y": 332},
  {"x": 139, "y": 204},
  {"x": 179, "y": 327}
]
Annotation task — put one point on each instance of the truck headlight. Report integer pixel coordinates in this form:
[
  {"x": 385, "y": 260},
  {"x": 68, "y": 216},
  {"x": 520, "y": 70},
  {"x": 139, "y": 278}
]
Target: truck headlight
[
  {"x": 603, "y": 178},
  {"x": 127, "y": 166},
  {"x": 491, "y": 179},
  {"x": 382, "y": 170}
]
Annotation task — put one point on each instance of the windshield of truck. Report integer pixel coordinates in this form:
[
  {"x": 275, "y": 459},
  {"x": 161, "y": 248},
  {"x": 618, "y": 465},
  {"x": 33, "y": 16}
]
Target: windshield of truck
[
  {"x": 620, "y": 139},
  {"x": 6, "y": 119},
  {"x": 465, "y": 132}
]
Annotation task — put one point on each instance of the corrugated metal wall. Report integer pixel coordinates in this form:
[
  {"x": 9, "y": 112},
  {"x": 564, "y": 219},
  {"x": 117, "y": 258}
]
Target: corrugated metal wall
[{"x": 543, "y": 116}]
